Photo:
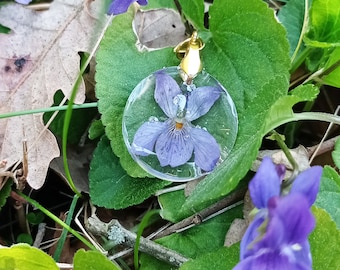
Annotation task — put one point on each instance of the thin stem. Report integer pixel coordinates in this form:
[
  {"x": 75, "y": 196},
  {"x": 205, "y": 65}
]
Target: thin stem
[
  {"x": 61, "y": 242},
  {"x": 50, "y": 109},
  {"x": 68, "y": 113},
  {"x": 56, "y": 219},
  {"x": 300, "y": 59},
  {"x": 141, "y": 228},
  {"x": 278, "y": 138},
  {"x": 303, "y": 30}
]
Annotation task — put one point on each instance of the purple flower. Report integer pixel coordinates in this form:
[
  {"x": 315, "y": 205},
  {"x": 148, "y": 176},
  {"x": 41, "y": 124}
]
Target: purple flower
[
  {"x": 277, "y": 238},
  {"x": 121, "y": 6},
  {"x": 175, "y": 140}
]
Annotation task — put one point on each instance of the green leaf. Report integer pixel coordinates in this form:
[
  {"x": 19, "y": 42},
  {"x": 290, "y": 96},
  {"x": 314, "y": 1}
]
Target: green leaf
[
  {"x": 248, "y": 48},
  {"x": 5, "y": 191},
  {"x": 4, "y": 29},
  {"x": 201, "y": 239},
  {"x": 224, "y": 258},
  {"x": 160, "y": 4},
  {"x": 25, "y": 238},
  {"x": 92, "y": 260},
  {"x": 324, "y": 242},
  {"x": 96, "y": 130},
  {"x": 169, "y": 202},
  {"x": 329, "y": 194},
  {"x": 194, "y": 12},
  {"x": 336, "y": 153},
  {"x": 35, "y": 218},
  {"x": 324, "y": 24},
  {"x": 237, "y": 42},
  {"x": 23, "y": 256},
  {"x": 333, "y": 77},
  {"x": 291, "y": 16},
  {"x": 111, "y": 186},
  {"x": 120, "y": 66},
  {"x": 282, "y": 109}
]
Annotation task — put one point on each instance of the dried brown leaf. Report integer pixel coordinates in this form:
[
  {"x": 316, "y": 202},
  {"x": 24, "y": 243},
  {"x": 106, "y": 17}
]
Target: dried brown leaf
[
  {"x": 38, "y": 57},
  {"x": 158, "y": 28}
]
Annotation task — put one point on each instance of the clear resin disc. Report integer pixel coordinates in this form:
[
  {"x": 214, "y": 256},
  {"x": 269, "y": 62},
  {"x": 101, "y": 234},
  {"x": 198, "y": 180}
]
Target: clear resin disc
[{"x": 179, "y": 132}]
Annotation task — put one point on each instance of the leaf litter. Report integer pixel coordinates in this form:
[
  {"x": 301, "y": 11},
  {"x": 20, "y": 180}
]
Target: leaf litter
[{"x": 38, "y": 57}]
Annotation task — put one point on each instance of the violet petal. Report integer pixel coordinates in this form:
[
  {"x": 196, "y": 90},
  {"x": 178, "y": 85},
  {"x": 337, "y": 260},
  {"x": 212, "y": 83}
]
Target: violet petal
[
  {"x": 268, "y": 260},
  {"x": 146, "y": 136},
  {"x": 165, "y": 91},
  {"x": 174, "y": 147},
  {"x": 119, "y": 6},
  {"x": 200, "y": 101},
  {"x": 265, "y": 184},
  {"x": 206, "y": 149},
  {"x": 297, "y": 220},
  {"x": 142, "y": 2},
  {"x": 252, "y": 232},
  {"x": 308, "y": 183}
]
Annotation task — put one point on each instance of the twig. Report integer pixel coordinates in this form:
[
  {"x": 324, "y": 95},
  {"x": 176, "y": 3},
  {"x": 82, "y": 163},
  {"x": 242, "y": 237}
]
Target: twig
[
  {"x": 322, "y": 148},
  {"x": 330, "y": 125},
  {"x": 40, "y": 235},
  {"x": 204, "y": 214},
  {"x": 115, "y": 232}
]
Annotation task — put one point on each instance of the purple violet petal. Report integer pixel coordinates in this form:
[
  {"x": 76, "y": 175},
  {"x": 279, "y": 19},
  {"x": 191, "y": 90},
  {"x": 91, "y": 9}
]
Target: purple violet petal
[
  {"x": 206, "y": 149},
  {"x": 304, "y": 256},
  {"x": 308, "y": 183},
  {"x": 142, "y": 2},
  {"x": 200, "y": 101},
  {"x": 265, "y": 184},
  {"x": 174, "y": 146},
  {"x": 165, "y": 91},
  {"x": 146, "y": 136},
  {"x": 119, "y": 6},
  {"x": 252, "y": 232},
  {"x": 297, "y": 220},
  {"x": 274, "y": 236},
  {"x": 267, "y": 260}
]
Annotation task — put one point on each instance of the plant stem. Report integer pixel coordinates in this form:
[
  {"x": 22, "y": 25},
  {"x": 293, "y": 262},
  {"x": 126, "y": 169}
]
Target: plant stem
[
  {"x": 50, "y": 109},
  {"x": 300, "y": 59},
  {"x": 68, "y": 113},
  {"x": 141, "y": 228},
  {"x": 56, "y": 219},
  {"x": 61, "y": 242},
  {"x": 278, "y": 138}
]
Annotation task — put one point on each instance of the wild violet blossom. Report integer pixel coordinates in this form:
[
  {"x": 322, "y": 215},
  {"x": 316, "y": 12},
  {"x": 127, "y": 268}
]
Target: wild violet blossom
[
  {"x": 121, "y": 6},
  {"x": 277, "y": 238},
  {"x": 176, "y": 139}
]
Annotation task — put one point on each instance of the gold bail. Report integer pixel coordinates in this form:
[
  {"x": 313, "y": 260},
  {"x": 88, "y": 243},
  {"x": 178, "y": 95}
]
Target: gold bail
[{"x": 189, "y": 52}]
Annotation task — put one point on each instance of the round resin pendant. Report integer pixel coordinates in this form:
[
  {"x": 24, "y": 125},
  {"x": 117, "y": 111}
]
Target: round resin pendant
[{"x": 179, "y": 132}]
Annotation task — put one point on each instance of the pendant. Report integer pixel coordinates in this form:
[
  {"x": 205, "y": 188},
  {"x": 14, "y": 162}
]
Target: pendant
[{"x": 180, "y": 123}]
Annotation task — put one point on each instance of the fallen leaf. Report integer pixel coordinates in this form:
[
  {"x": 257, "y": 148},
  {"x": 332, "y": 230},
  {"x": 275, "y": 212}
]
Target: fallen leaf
[
  {"x": 158, "y": 28},
  {"x": 235, "y": 232},
  {"x": 300, "y": 155},
  {"x": 38, "y": 57}
]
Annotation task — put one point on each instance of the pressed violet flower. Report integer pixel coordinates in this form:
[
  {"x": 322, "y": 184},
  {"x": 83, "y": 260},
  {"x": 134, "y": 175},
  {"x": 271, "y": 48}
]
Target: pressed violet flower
[
  {"x": 175, "y": 140},
  {"x": 121, "y": 6},
  {"x": 277, "y": 238}
]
